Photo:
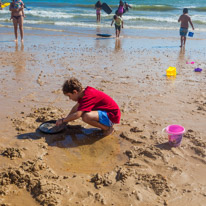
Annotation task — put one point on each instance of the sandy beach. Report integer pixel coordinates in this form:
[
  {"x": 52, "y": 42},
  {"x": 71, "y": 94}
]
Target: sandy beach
[{"x": 133, "y": 166}]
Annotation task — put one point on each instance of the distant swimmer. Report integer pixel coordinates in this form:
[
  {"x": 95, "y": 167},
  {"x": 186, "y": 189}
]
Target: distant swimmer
[{"x": 185, "y": 20}]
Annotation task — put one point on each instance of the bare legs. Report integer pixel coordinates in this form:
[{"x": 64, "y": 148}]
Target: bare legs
[
  {"x": 98, "y": 17},
  {"x": 182, "y": 41},
  {"x": 15, "y": 29},
  {"x": 21, "y": 28},
  {"x": 117, "y": 33},
  {"x": 92, "y": 118},
  {"x": 19, "y": 22}
]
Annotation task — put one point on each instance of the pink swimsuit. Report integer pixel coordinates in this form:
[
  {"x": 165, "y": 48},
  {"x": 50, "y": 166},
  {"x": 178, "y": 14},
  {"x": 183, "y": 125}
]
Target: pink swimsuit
[
  {"x": 121, "y": 9},
  {"x": 98, "y": 11}
]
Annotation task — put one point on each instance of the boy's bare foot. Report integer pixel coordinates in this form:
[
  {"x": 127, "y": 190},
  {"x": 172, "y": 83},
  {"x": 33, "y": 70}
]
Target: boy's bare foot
[{"x": 108, "y": 131}]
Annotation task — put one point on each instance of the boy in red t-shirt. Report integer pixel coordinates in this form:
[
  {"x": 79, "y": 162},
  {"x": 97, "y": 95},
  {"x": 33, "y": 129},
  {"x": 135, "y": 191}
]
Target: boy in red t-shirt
[{"x": 94, "y": 107}]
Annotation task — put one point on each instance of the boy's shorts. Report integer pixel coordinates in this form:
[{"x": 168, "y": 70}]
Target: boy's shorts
[
  {"x": 117, "y": 27},
  {"x": 183, "y": 31},
  {"x": 104, "y": 119}
]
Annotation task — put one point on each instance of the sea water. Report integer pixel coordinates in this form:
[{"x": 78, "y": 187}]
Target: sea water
[{"x": 64, "y": 15}]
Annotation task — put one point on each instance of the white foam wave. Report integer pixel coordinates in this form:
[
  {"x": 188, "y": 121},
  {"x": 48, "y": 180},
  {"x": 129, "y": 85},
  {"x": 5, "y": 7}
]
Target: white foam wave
[
  {"x": 151, "y": 18},
  {"x": 49, "y": 14}
]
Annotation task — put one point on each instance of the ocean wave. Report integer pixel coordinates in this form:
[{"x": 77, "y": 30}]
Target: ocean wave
[
  {"x": 134, "y": 7},
  {"x": 152, "y": 7},
  {"x": 199, "y": 9},
  {"x": 49, "y": 14},
  {"x": 152, "y": 18},
  {"x": 86, "y": 25}
]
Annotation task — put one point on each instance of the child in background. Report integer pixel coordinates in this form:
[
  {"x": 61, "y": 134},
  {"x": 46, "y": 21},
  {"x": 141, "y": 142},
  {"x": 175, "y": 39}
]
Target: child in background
[
  {"x": 185, "y": 20},
  {"x": 94, "y": 107},
  {"x": 98, "y": 7},
  {"x": 120, "y": 10},
  {"x": 18, "y": 4},
  {"x": 118, "y": 24},
  {"x": 123, "y": 7}
]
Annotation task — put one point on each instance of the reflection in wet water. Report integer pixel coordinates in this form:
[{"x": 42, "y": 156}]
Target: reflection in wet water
[
  {"x": 181, "y": 58},
  {"x": 117, "y": 45},
  {"x": 20, "y": 64}
]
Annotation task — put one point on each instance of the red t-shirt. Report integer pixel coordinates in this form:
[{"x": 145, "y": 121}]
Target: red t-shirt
[{"x": 94, "y": 100}]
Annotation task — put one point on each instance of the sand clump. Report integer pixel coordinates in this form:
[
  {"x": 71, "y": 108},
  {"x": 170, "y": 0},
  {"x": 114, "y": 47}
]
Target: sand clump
[
  {"x": 31, "y": 121},
  {"x": 13, "y": 153},
  {"x": 33, "y": 175}
]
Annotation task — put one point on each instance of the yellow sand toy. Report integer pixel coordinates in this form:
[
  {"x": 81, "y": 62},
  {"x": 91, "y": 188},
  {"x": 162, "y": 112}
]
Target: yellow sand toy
[
  {"x": 5, "y": 5},
  {"x": 171, "y": 71}
]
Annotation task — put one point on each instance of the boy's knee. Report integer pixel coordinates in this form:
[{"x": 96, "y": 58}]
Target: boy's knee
[{"x": 85, "y": 117}]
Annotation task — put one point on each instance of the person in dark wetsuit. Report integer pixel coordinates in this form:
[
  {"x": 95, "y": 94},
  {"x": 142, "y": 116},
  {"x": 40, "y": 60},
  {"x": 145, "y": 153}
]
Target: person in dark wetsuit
[{"x": 18, "y": 19}]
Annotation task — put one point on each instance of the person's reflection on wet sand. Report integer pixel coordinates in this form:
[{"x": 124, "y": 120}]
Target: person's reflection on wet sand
[
  {"x": 181, "y": 58},
  {"x": 117, "y": 45},
  {"x": 20, "y": 59}
]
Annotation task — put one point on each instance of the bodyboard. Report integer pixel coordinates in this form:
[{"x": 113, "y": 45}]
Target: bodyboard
[
  {"x": 5, "y": 5},
  {"x": 106, "y": 8},
  {"x": 104, "y": 35}
]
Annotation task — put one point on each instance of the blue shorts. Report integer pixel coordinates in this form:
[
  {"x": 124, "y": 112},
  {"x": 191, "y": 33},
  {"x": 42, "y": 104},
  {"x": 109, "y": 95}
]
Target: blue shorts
[
  {"x": 104, "y": 119},
  {"x": 183, "y": 31}
]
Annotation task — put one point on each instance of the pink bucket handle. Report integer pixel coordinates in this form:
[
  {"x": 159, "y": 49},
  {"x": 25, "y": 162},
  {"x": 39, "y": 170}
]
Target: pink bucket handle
[{"x": 163, "y": 130}]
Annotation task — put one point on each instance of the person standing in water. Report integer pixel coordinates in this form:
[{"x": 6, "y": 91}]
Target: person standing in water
[
  {"x": 18, "y": 19},
  {"x": 98, "y": 7},
  {"x": 120, "y": 10},
  {"x": 185, "y": 20},
  {"x": 118, "y": 22}
]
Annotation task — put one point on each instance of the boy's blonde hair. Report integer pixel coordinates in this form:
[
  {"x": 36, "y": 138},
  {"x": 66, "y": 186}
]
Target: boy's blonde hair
[{"x": 70, "y": 85}]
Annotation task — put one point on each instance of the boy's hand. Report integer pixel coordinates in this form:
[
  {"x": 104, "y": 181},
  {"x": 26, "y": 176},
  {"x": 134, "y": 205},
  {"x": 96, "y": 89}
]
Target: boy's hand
[{"x": 59, "y": 122}]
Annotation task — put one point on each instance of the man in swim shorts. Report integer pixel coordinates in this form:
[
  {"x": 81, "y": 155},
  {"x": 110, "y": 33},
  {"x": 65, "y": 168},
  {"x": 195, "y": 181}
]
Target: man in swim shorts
[{"x": 185, "y": 20}]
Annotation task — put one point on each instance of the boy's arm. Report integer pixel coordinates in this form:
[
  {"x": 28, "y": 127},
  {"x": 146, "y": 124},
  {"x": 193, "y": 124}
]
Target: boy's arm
[
  {"x": 112, "y": 22},
  {"x": 73, "y": 114},
  {"x": 74, "y": 109},
  {"x": 179, "y": 18},
  {"x": 122, "y": 23},
  {"x": 191, "y": 24}
]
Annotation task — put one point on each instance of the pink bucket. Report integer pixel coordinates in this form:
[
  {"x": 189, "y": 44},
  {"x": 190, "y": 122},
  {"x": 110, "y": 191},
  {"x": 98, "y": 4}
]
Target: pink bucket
[{"x": 175, "y": 134}]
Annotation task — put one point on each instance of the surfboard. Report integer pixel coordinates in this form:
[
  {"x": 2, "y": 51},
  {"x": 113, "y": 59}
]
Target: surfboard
[
  {"x": 106, "y": 8},
  {"x": 104, "y": 35},
  {"x": 5, "y": 5}
]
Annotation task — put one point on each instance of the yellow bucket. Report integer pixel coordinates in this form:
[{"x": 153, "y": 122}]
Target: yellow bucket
[{"x": 171, "y": 71}]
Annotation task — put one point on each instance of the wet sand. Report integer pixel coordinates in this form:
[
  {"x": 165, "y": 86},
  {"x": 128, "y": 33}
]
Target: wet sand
[{"x": 133, "y": 166}]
